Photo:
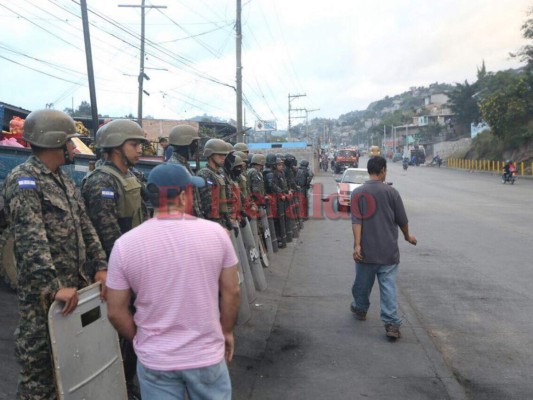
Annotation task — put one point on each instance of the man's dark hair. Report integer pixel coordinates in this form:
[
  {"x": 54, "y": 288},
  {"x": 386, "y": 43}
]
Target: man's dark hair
[
  {"x": 375, "y": 165},
  {"x": 160, "y": 196},
  {"x": 163, "y": 140}
]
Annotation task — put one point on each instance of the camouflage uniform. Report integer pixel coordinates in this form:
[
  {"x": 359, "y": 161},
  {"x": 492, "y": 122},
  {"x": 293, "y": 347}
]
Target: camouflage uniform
[
  {"x": 179, "y": 159},
  {"x": 257, "y": 186},
  {"x": 102, "y": 193},
  {"x": 56, "y": 246},
  {"x": 213, "y": 197}
]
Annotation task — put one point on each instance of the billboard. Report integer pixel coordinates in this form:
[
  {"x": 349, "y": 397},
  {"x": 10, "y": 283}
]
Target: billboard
[{"x": 263, "y": 126}]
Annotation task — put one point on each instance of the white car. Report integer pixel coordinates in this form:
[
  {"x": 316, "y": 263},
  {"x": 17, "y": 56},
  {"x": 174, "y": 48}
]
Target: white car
[{"x": 351, "y": 178}]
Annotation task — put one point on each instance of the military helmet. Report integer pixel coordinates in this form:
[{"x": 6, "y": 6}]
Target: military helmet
[
  {"x": 243, "y": 156},
  {"x": 48, "y": 129},
  {"x": 304, "y": 163},
  {"x": 115, "y": 133},
  {"x": 271, "y": 159},
  {"x": 238, "y": 161},
  {"x": 182, "y": 135},
  {"x": 290, "y": 160},
  {"x": 229, "y": 146},
  {"x": 215, "y": 146},
  {"x": 259, "y": 159},
  {"x": 280, "y": 156},
  {"x": 241, "y": 147}
]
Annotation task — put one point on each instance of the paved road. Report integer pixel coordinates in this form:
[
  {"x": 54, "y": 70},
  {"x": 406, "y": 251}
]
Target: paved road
[
  {"x": 464, "y": 296},
  {"x": 470, "y": 277}
]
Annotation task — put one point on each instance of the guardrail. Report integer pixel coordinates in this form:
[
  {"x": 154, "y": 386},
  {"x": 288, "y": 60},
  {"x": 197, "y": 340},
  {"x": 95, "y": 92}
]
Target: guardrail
[{"x": 522, "y": 168}]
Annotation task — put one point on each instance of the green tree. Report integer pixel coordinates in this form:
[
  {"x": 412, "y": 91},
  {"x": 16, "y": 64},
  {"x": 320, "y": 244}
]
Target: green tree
[
  {"x": 83, "y": 110},
  {"x": 508, "y": 106},
  {"x": 526, "y": 52}
]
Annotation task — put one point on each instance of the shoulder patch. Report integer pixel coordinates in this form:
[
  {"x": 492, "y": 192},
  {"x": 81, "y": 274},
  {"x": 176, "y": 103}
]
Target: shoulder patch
[
  {"x": 108, "y": 193},
  {"x": 27, "y": 182}
]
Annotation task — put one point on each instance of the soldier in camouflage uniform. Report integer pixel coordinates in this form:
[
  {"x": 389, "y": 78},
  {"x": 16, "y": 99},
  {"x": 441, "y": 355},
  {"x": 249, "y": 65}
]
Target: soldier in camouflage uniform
[
  {"x": 112, "y": 192},
  {"x": 276, "y": 190},
  {"x": 56, "y": 247},
  {"x": 233, "y": 191},
  {"x": 303, "y": 180},
  {"x": 114, "y": 198},
  {"x": 184, "y": 140},
  {"x": 213, "y": 196}
]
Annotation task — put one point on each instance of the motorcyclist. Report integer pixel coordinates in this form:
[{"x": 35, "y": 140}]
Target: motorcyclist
[{"x": 508, "y": 169}]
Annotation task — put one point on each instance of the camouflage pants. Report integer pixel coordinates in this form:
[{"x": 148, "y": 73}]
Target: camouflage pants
[{"x": 36, "y": 379}]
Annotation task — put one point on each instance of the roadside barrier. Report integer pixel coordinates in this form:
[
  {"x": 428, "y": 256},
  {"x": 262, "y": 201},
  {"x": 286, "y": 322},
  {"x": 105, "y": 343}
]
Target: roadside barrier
[{"x": 522, "y": 168}]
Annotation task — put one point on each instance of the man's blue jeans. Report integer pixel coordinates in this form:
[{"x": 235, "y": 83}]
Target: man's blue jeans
[
  {"x": 205, "y": 383},
  {"x": 365, "y": 276}
]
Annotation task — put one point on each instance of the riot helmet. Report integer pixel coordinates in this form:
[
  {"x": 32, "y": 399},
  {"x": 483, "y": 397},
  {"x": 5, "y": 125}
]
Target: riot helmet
[
  {"x": 270, "y": 160},
  {"x": 304, "y": 163},
  {"x": 290, "y": 160}
]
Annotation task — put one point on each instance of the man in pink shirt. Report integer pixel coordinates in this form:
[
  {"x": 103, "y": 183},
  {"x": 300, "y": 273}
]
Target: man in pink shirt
[{"x": 183, "y": 273}]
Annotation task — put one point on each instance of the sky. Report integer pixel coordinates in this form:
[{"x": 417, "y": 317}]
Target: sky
[{"x": 339, "y": 55}]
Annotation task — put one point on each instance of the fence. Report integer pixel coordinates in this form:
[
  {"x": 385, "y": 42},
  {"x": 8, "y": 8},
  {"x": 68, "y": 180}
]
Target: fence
[{"x": 488, "y": 165}]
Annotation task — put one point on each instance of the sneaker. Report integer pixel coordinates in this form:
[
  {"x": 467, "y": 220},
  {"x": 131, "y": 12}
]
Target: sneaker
[
  {"x": 358, "y": 314},
  {"x": 393, "y": 331}
]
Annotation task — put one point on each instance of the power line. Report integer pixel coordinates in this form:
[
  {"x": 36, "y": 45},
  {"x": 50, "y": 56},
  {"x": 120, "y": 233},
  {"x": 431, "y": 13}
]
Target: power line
[{"x": 36, "y": 70}]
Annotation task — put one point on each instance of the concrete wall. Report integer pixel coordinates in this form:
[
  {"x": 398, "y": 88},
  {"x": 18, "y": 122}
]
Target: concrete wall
[{"x": 447, "y": 149}]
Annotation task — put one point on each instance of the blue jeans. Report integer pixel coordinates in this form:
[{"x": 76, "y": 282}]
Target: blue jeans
[
  {"x": 365, "y": 276},
  {"x": 205, "y": 383}
]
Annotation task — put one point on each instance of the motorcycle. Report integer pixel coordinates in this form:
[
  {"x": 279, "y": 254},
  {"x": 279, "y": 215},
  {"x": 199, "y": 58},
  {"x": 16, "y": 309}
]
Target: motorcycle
[
  {"x": 509, "y": 177},
  {"x": 405, "y": 163}
]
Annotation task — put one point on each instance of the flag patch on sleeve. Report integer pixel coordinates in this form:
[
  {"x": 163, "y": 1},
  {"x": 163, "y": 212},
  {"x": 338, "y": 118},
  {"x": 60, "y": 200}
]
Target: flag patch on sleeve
[
  {"x": 108, "y": 193},
  {"x": 27, "y": 182}
]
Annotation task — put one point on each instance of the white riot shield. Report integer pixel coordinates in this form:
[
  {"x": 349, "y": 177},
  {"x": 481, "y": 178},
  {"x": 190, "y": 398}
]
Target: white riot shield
[
  {"x": 253, "y": 258},
  {"x": 86, "y": 351},
  {"x": 245, "y": 313}
]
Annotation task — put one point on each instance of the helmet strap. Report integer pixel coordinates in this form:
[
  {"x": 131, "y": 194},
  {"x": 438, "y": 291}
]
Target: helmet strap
[{"x": 68, "y": 160}]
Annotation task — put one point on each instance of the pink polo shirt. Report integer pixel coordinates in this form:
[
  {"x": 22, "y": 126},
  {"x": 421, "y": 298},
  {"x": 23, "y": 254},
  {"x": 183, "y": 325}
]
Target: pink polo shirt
[{"x": 173, "y": 266}]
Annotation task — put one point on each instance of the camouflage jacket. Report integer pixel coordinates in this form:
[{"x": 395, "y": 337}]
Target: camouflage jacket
[
  {"x": 179, "y": 159},
  {"x": 102, "y": 193},
  {"x": 213, "y": 196},
  {"x": 257, "y": 186},
  {"x": 55, "y": 243}
]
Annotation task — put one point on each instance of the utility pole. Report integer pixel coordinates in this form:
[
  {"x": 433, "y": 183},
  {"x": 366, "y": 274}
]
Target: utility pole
[
  {"x": 290, "y": 109},
  {"x": 238, "y": 48},
  {"x": 142, "y": 75},
  {"x": 307, "y": 120},
  {"x": 90, "y": 70}
]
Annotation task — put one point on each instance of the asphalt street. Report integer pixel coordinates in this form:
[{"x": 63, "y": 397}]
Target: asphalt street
[{"x": 464, "y": 297}]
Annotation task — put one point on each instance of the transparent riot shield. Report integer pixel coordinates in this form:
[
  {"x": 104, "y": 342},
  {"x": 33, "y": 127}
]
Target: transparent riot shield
[
  {"x": 243, "y": 260},
  {"x": 253, "y": 257},
  {"x": 263, "y": 255},
  {"x": 86, "y": 351},
  {"x": 245, "y": 312}
]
